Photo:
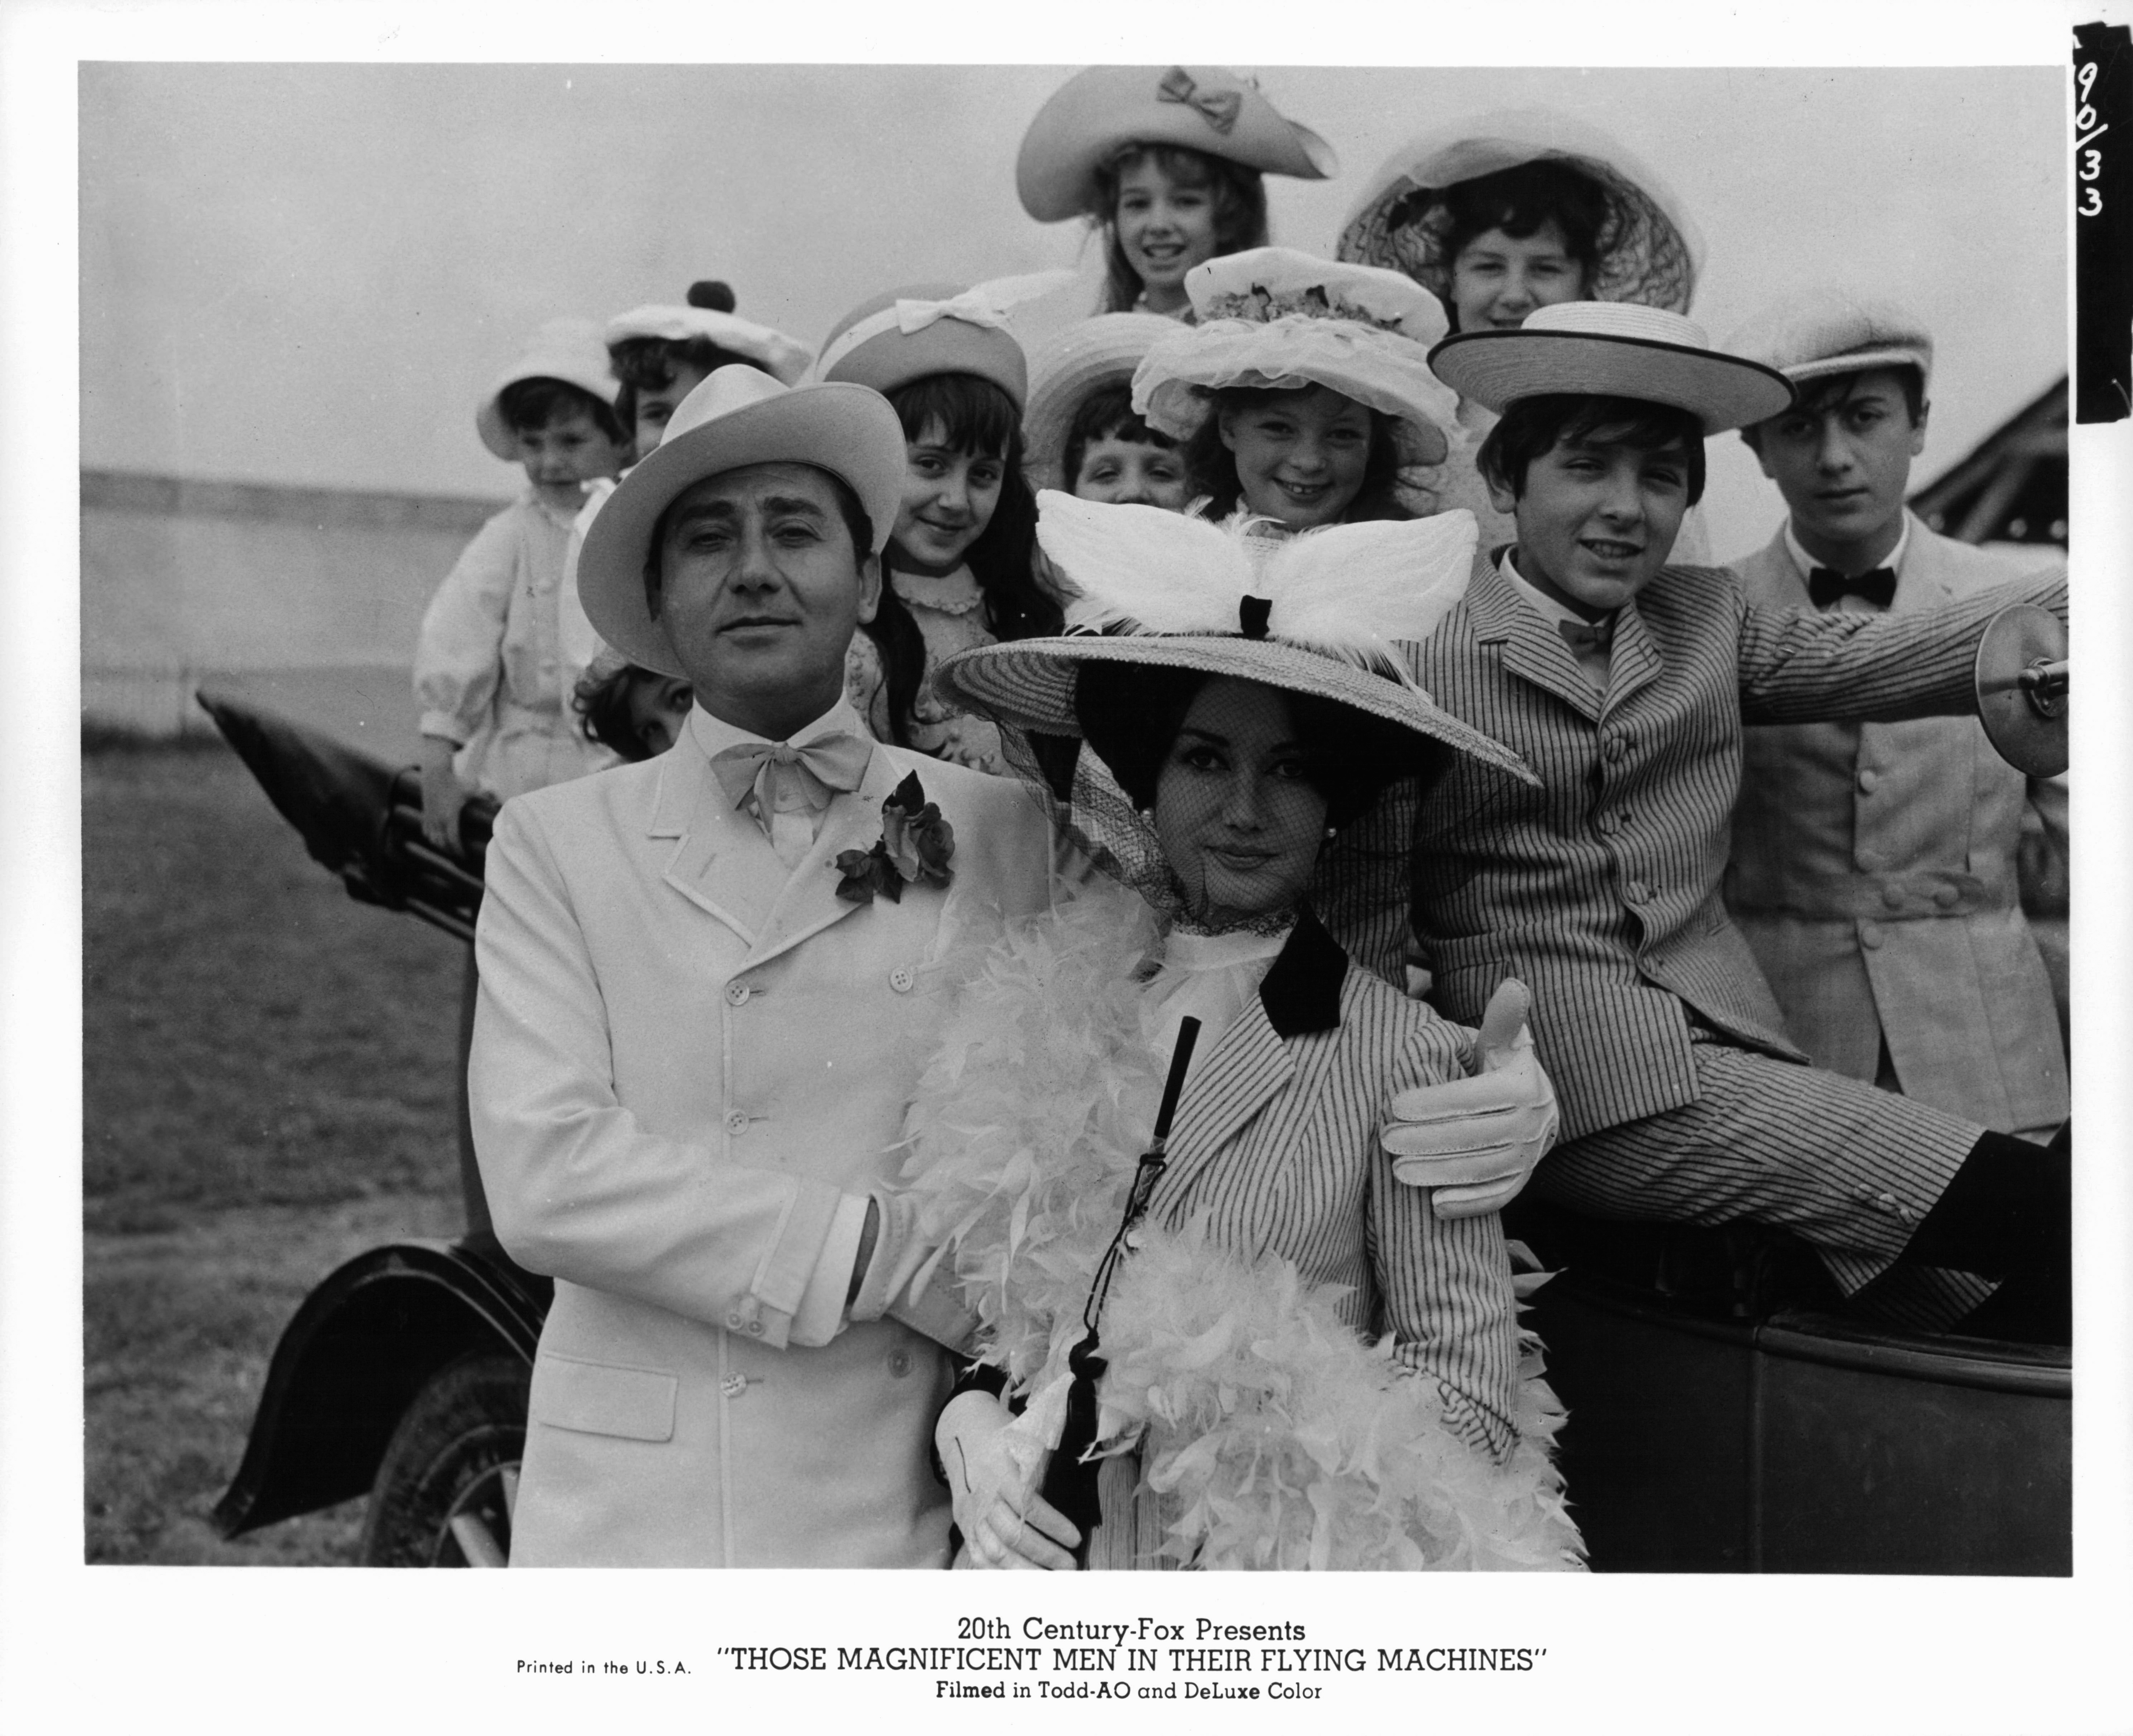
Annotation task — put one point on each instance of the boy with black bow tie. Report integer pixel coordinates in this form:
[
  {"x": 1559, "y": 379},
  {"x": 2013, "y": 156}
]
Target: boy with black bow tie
[
  {"x": 1624, "y": 682},
  {"x": 1873, "y": 864}
]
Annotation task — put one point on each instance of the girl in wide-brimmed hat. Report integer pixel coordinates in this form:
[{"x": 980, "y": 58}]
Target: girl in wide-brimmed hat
[
  {"x": 1302, "y": 390},
  {"x": 1309, "y": 1365},
  {"x": 959, "y": 567},
  {"x": 1167, "y": 164},
  {"x": 1506, "y": 213}
]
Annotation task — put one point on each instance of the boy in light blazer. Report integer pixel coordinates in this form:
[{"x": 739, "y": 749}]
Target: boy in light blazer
[
  {"x": 1873, "y": 864},
  {"x": 1624, "y": 682}
]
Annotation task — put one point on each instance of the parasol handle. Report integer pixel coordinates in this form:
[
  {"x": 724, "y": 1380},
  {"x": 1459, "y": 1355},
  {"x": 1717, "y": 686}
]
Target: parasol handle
[{"x": 1180, "y": 1059}]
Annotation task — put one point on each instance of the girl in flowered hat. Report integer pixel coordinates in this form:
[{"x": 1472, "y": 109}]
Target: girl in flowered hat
[
  {"x": 1168, "y": 164},
  {"x": 1302, "y": 391},
  {"x": 1506, "y": 213},
  {"x": 958, "y": 568}
]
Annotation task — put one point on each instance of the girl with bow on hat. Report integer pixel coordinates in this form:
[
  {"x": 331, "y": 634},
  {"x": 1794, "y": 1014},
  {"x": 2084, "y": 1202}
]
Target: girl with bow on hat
[
  {"x": 1506, "y": 213},
  {"x": 958, "y": 570},
  {"x": 1300, "y": 1362},
  {"x": 1167, "y": 165}
]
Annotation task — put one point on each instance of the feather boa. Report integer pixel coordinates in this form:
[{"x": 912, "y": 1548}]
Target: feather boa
[{"x": 1276, "y": 1437}]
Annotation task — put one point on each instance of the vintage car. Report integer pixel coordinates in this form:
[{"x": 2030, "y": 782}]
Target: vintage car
[{"x": 1722, "y": 1416}]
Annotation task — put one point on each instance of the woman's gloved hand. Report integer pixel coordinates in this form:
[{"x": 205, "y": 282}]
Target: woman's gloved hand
[{"x": 992, "y": 1478}]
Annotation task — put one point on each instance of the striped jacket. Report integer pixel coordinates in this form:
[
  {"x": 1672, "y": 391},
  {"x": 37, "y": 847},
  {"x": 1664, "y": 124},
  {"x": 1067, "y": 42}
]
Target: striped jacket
[
  {"x": 1276, "y": 1142},
  {"x": 1602, "y": 888}
]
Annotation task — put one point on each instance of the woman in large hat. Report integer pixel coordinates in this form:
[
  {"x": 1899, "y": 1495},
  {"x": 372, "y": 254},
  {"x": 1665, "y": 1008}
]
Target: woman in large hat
[
  {"x": 1297, "y": 1361},
  {"x": 1167, "y": 164},
  {"x": 1506, "y": 213}
]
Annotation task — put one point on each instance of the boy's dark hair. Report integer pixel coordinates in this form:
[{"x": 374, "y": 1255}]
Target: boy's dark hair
[
  {"x": 602, "y": 704},
  {"x": 1831, "y": 390},
  {"x": 1519, "y": 200},
  {"x": 649, "y": 364},
  {"x": 1533, "y": 427},
  {"x": 1106, "y": 414},
  {"x": 529, "y": 405},
  {"x": 1211, "y": 468},
  {"x": 973, "y": 416},
  {"x": 857, "y": 523},
  {"x": 1240, "y": 201},
  {"x": 1131, "y": 713}
]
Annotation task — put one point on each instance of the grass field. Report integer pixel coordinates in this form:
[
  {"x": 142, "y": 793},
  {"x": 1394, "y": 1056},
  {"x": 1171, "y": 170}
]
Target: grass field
[{"x": 266, "y": 1091}]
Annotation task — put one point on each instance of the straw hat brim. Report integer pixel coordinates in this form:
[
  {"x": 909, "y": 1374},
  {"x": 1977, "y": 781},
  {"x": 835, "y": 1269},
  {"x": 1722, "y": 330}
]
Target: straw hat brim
[
  {"x": 1066, "y": 368},
  {"x": 1099, "y": 112},
  {"x": 1029, "y": 683},
  {"x": 1497, "y": 369},
  {"x": 848, "y": 430}
]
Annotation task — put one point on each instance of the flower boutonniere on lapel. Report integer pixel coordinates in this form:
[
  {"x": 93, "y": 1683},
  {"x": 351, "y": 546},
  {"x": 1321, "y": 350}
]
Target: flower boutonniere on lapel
[{"x": 915, "y": 846}]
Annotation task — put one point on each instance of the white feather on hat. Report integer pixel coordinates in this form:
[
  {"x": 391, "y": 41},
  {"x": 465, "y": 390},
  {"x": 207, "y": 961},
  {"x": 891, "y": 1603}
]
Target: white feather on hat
[{"x": 1347, "y": 591}]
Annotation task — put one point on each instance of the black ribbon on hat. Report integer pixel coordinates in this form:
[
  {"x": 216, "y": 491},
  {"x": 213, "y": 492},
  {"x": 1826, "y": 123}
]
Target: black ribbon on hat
[
  {"x": 1825, "y": 585},
  {"x": 1252, "y": 613},
  {"x": 1217, "y": 108},
  {"x": 1070, "y": 1479}
]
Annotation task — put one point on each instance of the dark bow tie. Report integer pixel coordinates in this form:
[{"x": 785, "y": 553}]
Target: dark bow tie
[
  {"x": 1879, "y": 587},
  {"x": 1588, "y": 639}
]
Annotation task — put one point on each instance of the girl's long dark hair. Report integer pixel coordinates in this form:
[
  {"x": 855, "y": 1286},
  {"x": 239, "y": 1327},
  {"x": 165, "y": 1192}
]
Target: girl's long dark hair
[
  {"x": 974, "y": 417},
  {"x": 1211, "y": 466},
  {"x": 1240, "y": 200}
]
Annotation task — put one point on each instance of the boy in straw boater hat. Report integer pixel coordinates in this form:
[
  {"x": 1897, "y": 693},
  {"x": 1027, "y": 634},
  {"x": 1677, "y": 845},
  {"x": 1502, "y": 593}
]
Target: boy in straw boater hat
[
  {"x": 1873, "y": 864},
  {"x": 1167, "y": 163},
  {"x": 700, "y": 978},
  {"x": 1625, "y": 682},
  {"x": 1081, "y": 433}
]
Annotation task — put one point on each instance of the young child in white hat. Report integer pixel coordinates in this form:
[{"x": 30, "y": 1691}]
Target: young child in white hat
[
  {"x": 1625, "y": 682},
  {"x": 1873, "y": 864},
  {"x": 959, "y": 567},
  {"x": 660, "y": 354},
  {"x": 1302, "y": 389},
  {"x": 487, "y": 664},
  {"x": 1167, "y": 165}
]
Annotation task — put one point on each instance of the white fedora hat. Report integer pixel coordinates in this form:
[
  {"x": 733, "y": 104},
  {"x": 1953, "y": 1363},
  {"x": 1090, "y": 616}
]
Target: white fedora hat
[
  {"x": 1096, "y": 114},
  {"x": 1615, "y": 349},
  {"x": 738, "y": 416},
  {"x": 568, "y": 350},
  {"x": 1066, "y": 368}
]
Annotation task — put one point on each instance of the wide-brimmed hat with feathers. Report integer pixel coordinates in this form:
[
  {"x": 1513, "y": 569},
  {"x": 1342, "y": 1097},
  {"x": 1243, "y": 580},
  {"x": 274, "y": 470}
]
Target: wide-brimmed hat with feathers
[{"x": 1322, "y": 612}]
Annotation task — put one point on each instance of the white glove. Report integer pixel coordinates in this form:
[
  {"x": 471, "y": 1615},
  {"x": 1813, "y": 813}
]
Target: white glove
[
  {"x": 992, "y": 1471},
  {"x": 1476, "y": 1140}
]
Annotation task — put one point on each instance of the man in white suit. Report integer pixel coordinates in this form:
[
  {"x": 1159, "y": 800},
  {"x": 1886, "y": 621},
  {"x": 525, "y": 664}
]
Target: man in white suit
[
  {"x": 697, "y": 1033},
  {"x": 1873, "y": 869}
]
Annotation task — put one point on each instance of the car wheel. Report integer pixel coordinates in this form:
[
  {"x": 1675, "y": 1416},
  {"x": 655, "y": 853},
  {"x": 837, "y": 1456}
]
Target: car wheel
[{"x": 449, "y": 1477}]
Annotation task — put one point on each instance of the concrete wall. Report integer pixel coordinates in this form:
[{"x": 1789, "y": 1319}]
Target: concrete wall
[{"x": 185, "y": 580}]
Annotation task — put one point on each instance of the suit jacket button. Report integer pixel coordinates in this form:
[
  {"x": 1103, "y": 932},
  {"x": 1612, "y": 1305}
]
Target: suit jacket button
[
  {"x": 899, "y": 1363},
  {"x": 734, "y": 1385},
  {"x": 737, "y": 994},
  {"x": 1892, "y": 894},
  {"x": 755, "y": 1329},
  {"x": 1637, "y": 891},
  {"x": 901, "y": 980},
  {"x": 1945, "y": 896},
  {"x": 732, "y": 1320},
  {"x": 736, "y": 1123},
  {"x": 1868, "y": 780},
  {"x": 1869, "y": 935}
]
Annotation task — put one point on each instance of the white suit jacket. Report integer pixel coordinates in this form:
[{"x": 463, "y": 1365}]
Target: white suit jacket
[
  {"x": 684, "y": 1059},
  {"x": 1873, "y": 875}
]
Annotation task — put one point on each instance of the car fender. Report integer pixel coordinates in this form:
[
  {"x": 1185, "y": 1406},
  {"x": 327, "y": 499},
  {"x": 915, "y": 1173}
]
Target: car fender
[{"x": 355, "y": 1355}]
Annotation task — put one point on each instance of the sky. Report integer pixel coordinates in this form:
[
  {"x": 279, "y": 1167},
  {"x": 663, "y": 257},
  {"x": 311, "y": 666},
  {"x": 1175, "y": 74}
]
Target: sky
[{"x": 310, "y": 273}]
